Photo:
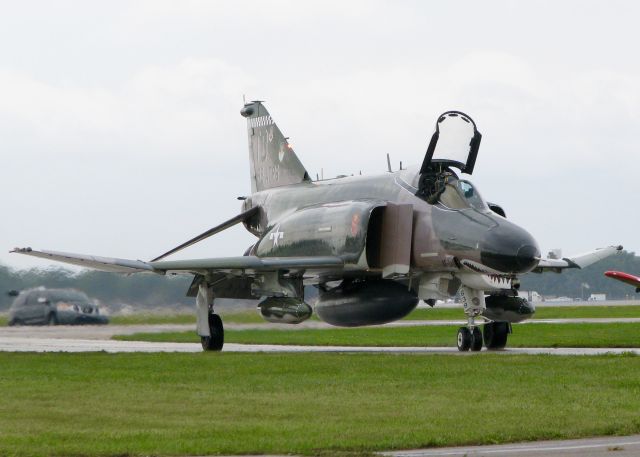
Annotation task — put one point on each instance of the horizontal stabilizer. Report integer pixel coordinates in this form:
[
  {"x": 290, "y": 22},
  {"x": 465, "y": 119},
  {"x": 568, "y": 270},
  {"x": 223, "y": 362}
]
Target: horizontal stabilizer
[
  {"x": 217, "y": 229},
  {"x": 90, "y": 261}
]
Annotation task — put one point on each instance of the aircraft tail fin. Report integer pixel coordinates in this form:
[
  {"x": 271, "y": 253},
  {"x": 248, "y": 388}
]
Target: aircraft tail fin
[{"x": 271, "y": 157}]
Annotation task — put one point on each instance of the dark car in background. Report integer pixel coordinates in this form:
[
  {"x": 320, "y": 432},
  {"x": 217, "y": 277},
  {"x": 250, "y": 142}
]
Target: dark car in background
[{"x": 42, "y": 306}]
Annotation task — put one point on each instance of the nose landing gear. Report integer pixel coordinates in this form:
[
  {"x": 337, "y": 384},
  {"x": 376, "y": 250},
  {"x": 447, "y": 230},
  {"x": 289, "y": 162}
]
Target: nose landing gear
[{"x": 470, "y": 337}]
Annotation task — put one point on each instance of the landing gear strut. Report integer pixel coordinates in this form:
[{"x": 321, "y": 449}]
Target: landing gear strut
[
  {"x": 470, "y": 337},
  {"x": 209, "y": 325}
]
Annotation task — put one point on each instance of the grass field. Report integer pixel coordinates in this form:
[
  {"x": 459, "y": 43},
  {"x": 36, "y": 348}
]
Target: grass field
[
  {"x": 252, "y": 316},
  {"x": 217, "y": 403},
  {"x": 542, "y": 312},
  {"x": 624, "y": 335}
]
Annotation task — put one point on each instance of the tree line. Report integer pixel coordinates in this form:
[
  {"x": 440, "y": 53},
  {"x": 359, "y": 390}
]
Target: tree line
[{"x": 156, "y": 290}]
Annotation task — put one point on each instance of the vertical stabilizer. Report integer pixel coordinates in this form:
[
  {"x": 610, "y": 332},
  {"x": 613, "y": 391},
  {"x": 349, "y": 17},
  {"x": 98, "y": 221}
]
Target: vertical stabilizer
[{"x": 272, "y": 160}]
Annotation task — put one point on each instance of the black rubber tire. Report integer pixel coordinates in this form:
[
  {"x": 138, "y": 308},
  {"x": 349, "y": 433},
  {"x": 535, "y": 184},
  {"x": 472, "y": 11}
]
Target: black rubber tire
[
  {"x": 476, "y": 339},
  {"x": 13, "y": 322},
  {"x": 464, "y": 339},
  {"x": 216, "y": 340},
  {"x": 496, "y": 334}
]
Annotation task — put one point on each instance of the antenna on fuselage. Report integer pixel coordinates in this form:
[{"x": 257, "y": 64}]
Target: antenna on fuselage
[{"x": 389, "y": 163}]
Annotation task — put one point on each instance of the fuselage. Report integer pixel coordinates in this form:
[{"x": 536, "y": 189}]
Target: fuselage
[{"x": 456, "y": 232}]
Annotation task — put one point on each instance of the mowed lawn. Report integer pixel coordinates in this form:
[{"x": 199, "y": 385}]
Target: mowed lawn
[
  {"x": 619, "y": 335},
  {"x": 542, "y": 312},
  {"x": 252, "y": 316},
  {"x": 215, "y": 403}
]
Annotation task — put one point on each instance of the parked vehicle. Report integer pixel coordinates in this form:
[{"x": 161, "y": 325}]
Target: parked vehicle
[{"x": 42, "y": 306}]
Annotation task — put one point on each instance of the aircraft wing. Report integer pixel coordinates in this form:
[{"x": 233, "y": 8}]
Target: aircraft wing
[
  {"x": 578, "y": 261},
  {"x": 245, "y": 264},
  {"x": 624, "y": 277}
]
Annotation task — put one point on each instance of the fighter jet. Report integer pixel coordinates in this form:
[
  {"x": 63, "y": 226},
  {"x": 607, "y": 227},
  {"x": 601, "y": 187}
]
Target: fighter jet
[
  {"x": 625, "y": 277},
  {"x": 372, "y": 245}
]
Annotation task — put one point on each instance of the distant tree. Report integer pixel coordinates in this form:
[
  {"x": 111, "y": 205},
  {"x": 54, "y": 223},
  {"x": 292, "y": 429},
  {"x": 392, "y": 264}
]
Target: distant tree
[
  {"x": 109, "y": 288},
  {"x": 569, "y": 282}
]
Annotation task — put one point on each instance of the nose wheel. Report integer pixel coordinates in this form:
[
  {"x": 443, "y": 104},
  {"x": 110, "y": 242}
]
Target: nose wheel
[{"x": 469, "y": 339}]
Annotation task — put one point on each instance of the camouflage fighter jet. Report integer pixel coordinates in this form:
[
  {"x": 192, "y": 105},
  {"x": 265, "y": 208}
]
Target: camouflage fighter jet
[{"x": 373, "y": 245}]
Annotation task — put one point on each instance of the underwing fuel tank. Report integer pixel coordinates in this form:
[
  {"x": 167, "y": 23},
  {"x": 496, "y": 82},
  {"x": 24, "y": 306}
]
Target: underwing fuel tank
[
  {"x": 507, "y": 309},
  {"x": 365, "y": 303},
  {"x": 283, "y": 310}
]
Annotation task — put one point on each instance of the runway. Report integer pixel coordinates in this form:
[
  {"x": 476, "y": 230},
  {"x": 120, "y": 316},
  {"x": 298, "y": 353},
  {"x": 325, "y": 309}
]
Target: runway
[
  {"x": 90, "y": 338},
  {"x": 40, "y": 344},
  {"x": 620, "y": 446}
]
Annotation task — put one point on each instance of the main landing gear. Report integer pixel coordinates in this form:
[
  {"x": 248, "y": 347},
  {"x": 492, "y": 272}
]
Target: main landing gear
[
  {"x": 215, "y": 340},
  {"x": 209, "y": 325}
]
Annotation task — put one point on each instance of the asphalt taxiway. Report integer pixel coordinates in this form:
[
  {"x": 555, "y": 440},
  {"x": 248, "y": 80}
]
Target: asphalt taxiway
[
  {"x": 16, "y": 343},
  {"x": 618, "y": 446}
]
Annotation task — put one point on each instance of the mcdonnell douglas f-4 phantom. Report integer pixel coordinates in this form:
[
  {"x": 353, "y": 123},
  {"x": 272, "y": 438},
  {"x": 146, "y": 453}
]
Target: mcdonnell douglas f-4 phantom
[{"x": 373, "y": 245}]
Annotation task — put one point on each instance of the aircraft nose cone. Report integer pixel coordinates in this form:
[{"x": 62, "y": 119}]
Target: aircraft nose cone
[
  {"x": 528, "y": 257},
  {"x": 509, "y": 249}
]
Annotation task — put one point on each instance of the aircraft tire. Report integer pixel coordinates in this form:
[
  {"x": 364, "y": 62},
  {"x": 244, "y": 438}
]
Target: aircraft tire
[
  {"x": 496, "y": 334},
  {"x": 476, "y": 339},
  {"x": 216, "y": 340},
  {"x": 464, "y": 339}
]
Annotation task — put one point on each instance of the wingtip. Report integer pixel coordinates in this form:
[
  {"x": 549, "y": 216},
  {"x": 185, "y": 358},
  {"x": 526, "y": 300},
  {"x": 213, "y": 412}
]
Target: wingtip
[{"x": 20, "y": 250}]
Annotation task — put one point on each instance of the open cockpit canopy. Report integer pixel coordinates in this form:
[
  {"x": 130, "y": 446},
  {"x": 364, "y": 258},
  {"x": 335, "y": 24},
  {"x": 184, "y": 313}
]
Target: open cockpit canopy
[{"x": 454, "y": 144}]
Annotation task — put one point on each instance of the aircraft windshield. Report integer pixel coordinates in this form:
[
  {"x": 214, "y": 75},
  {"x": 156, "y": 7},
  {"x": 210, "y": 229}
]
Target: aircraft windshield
[{"x": 460, "y": 195}]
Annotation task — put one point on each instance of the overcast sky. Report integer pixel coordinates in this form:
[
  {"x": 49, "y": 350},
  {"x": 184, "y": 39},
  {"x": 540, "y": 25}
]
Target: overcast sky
[{"x": 120, "y": 132}]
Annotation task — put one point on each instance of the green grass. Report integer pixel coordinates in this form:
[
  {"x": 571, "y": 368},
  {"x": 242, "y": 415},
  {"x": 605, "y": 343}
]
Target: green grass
[
  {"x": 3, "y": 320},
  {"x": 240, "y": 317},
  {"x": 149, "y": 318},
  {"x": 542, "y": 312},
  {"x": 622, "y": 335},
  {"x": 208, "y": 403}
]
